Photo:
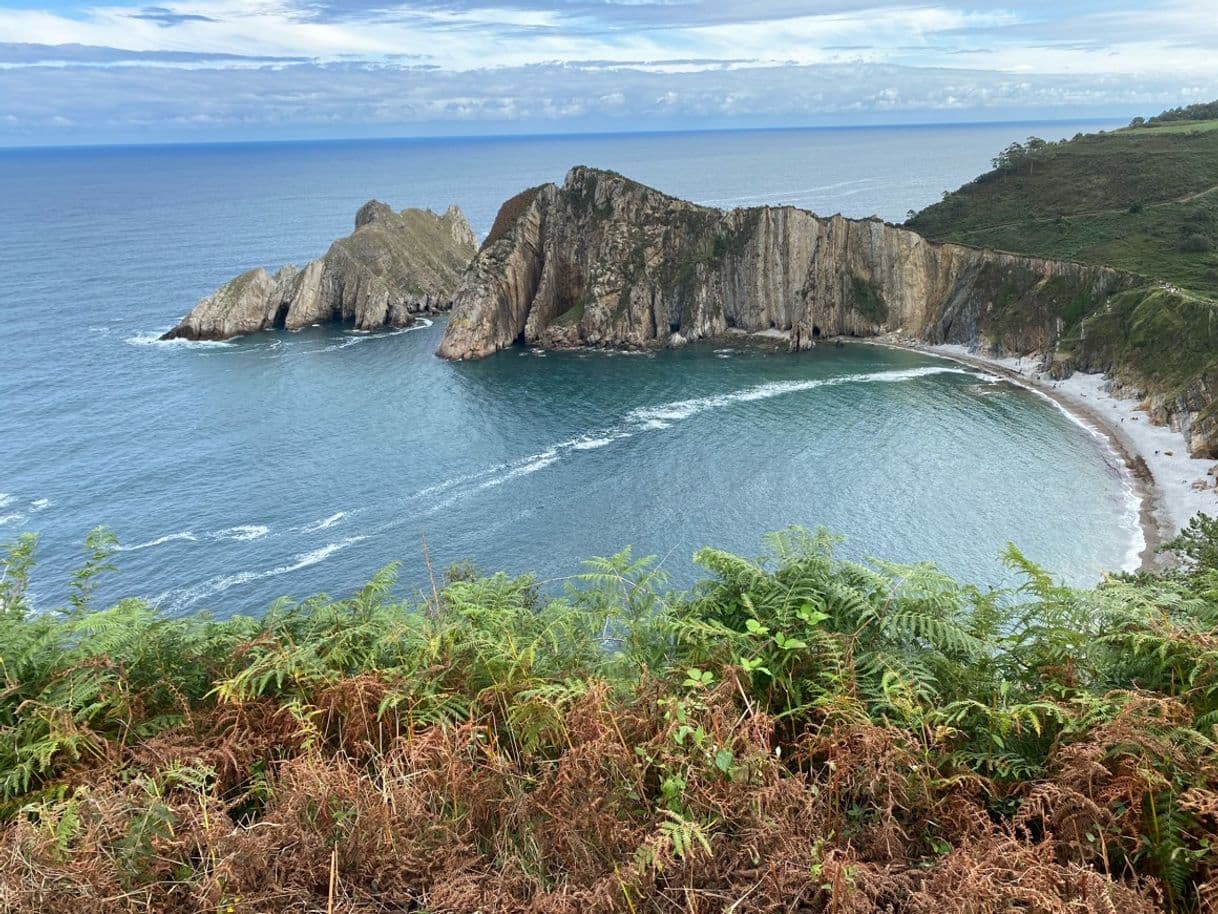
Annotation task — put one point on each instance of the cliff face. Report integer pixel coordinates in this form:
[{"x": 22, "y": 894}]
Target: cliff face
[
  {"x": 393, "y": 267},
  {"x": 603, "y": 260}
]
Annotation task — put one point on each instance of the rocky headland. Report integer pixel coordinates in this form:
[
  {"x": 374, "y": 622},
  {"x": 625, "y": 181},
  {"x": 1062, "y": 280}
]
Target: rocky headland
[
  {"x": 392, "y": 268},
  {"x": 603, "y": 260}
]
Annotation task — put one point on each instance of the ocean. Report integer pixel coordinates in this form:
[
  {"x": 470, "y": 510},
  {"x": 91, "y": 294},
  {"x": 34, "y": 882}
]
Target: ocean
[{"x": 287, "y": 464}]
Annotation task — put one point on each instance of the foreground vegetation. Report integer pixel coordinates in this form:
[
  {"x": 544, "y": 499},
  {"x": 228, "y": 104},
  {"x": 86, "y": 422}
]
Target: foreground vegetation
[{"x": 799, "y": 733}]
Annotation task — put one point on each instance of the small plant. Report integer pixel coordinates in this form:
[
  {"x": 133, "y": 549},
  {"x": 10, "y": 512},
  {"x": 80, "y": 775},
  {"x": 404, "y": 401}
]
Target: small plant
[{"x": 1196, "y": 243}]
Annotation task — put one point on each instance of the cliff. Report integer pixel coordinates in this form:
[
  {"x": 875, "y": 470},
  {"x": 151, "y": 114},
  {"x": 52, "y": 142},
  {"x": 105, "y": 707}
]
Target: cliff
[
  {"x": 603, "y": 260},
  {"x": 393, "y": 267}
]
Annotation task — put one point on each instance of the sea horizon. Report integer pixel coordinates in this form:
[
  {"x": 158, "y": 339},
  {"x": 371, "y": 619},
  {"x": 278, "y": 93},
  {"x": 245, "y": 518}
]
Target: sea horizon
[{"x": 591, "y": 133}]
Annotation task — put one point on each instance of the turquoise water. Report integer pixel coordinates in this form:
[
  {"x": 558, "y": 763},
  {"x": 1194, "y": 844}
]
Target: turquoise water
[{"x": 288, "y": 464}]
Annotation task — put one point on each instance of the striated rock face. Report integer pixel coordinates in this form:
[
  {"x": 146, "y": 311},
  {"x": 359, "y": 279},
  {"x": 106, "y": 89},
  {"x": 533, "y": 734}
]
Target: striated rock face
[
  {"x": 393, "y": 267},
  {"x": 603, "y": 260}
]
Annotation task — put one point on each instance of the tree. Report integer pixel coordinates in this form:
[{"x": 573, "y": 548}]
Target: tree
[{"x": 1011, "y": 158}]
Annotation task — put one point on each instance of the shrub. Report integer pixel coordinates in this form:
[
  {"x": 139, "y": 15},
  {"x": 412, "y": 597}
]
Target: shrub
[{"x": 797, "y": 732}]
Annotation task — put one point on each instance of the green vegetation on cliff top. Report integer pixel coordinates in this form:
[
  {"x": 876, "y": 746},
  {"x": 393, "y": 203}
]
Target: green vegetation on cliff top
[
  {"x": 798, "y": 733},
  {"x": 1142, "y": 199}
]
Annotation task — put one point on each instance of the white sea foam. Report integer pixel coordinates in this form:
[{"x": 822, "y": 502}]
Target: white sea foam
[
  {"x": 649, "y": 416},
  {"x": 40, "y": 504},
  {"x": 184, "y": 535},
  {"x": 5, "y": 499},
  {"x": 181, "y": 599},
  {"x": 242, "y": 533},
  {"x": 361, "y": 336},
  {"x": 325, "y": 523},
  {"x": 540, "y": 462},
  {"x": 447, "y": 484},
  {"x": 11, "y": 518},
  {"x": 350, "y": 341},
  {"x": 153, "y": 338},
  {"x": 591, "y": 443}
]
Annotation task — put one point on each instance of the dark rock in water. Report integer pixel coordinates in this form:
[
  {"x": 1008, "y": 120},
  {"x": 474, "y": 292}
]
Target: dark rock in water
[
  {"x": 392, "y": 268},
  {"x": 603, "y": 260}
]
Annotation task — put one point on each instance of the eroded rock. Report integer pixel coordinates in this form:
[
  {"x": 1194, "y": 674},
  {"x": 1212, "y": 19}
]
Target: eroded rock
[{"x": 392, "y": 268}]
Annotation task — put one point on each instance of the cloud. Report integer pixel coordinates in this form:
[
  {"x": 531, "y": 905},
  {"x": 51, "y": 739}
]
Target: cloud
[
  {"x": 167, "y": 17},
  {"x": 21, "y": 56},
  {"x": 267, "y": 67},
  {"x": 363, "y": 99}
]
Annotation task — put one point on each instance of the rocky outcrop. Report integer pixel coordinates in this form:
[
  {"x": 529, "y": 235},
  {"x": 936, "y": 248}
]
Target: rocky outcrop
[
  {"x": 605, "y": 261},
  {"x": 393, "y": 267}
]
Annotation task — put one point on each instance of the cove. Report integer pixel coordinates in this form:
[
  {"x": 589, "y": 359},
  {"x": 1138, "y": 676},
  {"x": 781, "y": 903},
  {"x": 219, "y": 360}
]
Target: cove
[{"x": 330, "y": 453}]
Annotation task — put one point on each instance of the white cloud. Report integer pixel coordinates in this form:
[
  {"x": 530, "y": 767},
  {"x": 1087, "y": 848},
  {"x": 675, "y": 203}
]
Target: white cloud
[{"x": 335, "y": 62}]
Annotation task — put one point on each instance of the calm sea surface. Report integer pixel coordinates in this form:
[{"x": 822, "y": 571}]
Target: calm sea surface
[{"x": 293, "y": 463}]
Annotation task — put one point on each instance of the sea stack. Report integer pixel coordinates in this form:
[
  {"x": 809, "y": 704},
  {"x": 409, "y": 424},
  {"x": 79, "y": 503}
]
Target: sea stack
[{"x": 392, "y": 268}]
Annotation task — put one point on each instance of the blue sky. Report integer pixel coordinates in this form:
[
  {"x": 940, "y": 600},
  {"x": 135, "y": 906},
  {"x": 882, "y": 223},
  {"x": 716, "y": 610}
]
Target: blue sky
[{"x": 215, "y": 70}]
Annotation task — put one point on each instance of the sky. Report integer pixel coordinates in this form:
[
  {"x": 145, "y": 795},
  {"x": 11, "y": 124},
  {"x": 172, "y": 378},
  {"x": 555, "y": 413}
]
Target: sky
[{"x": 221, "y": 70}]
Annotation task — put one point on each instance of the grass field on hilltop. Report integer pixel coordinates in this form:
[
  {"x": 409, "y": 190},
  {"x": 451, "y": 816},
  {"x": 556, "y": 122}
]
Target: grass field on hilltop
[{"x": 1141, "y": 199}]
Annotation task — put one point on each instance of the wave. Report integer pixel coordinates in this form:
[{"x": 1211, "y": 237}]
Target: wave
[
  {"x": 40, "y": 504},
  {"x": 5, "y": 499},
  {"x": 325, "y": 523},
  {"x": 447, "y": 484},
  {"x": 184, "y": 535},
  {"x": 665, "y": 413},
  {"x": 182, "y": 599},
  {"x": 540, "y": 462},
  {"x": 153, "y": 338},
  {"x": 590, "y": 442},
  {"x": 16, "y": 517},
  {"x": 362, "y": 336},
  {"x": 242, "y": 533}
]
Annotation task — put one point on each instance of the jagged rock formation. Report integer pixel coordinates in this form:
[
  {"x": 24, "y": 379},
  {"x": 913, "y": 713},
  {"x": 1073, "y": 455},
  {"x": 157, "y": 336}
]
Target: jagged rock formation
[
  {"x": 603, "y": 260},
  {"x": 393, "y": 267}
]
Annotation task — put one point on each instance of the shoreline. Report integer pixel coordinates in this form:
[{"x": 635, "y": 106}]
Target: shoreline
[{"x": 1154, "y": 458}]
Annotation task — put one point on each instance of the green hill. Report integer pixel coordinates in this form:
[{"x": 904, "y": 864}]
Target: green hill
[{"x": 1143, "y": 199}]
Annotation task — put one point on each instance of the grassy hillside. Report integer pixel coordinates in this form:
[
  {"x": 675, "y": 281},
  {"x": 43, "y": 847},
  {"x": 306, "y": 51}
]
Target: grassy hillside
[
  {"x": 1144, "y": 199},
  {"x": 800, "y": 733}
]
